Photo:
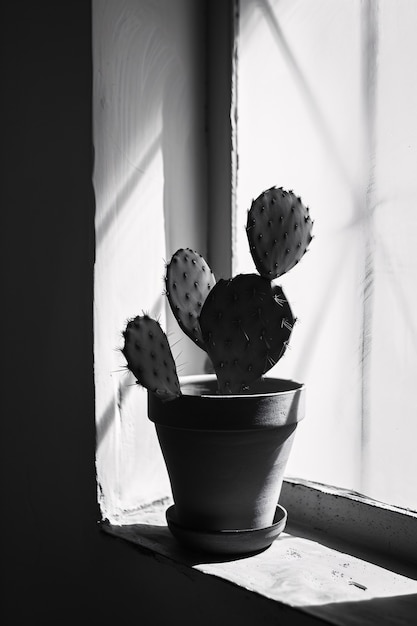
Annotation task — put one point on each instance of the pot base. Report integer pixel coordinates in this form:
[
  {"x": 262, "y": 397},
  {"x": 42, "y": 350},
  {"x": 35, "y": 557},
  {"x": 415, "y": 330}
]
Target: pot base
[{"x": 227, "y": 542}]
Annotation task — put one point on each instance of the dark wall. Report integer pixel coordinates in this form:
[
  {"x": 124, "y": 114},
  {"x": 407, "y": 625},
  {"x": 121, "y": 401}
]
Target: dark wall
[{"x": 48, "y": 488}]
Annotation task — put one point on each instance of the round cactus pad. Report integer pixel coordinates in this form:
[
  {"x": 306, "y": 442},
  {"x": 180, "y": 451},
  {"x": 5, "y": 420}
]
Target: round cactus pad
[
  {"x": 246, "y": 324},
  {"x": 189, "y": 280},
  {"x": 279, "y": 231},
  {"x": 149, "y": 357}
]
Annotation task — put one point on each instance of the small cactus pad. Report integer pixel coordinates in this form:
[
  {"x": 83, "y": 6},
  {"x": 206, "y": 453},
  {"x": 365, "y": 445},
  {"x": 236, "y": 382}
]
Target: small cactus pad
[
  {"x": 246, "y": 323},
  {"x": 149, "y": 357},
  {"x": 279, "y": 231},
  {"x": 188, "y": 282}
]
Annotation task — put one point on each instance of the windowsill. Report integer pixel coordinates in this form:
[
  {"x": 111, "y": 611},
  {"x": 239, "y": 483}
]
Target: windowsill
[{"x": 315, "y": 573}]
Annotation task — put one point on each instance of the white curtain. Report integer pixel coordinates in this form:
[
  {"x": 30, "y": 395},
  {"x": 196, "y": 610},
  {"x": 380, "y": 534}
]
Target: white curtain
[{"x": 327, "y": 106}]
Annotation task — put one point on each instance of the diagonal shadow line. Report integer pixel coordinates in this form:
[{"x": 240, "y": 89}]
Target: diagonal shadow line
[
  {"x": 303, "y": 363},
  {"x": 398, "y": 288},
  {"x": 103, "y": 424},
  {"x": 111, "y": 212},
  {"x": 308, "y": 96},
  {"x": 106, "y": 419}
]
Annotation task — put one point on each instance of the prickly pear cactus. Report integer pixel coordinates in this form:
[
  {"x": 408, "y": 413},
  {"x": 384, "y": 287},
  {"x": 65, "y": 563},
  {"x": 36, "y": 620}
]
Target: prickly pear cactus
[
  {"x": 279, "y": 231},
  {"x": 188, "y": 282},
  {"x": 149, "y": 357},
  {"x": 246, "y": 324},
  {"x": 243, "y": 323}
]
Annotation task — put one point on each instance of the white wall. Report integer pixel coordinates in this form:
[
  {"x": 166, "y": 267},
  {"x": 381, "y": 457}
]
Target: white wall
[{"x": 150, "y": 186}]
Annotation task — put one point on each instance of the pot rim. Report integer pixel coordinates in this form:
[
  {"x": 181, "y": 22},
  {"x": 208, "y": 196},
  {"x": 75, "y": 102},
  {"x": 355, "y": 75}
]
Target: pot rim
[
  {"x": 270, "y": 381},
  {"x": 268, "y": 409}
]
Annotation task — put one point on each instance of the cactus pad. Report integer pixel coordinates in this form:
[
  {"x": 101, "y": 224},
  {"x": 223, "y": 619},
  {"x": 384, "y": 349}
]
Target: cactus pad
[
  {"x": 188, "y": 282},
  {"x": 246, "y": 324},
  {"x": 149, "y": 357},
  {"x": 279, "y": 231}
]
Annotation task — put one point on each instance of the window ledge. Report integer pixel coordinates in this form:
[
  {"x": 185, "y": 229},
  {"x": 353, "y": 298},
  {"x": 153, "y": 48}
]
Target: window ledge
[{"x": 320, "y": 574}]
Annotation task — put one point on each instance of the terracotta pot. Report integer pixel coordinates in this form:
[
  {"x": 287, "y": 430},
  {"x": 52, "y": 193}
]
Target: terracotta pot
[{"x": 226, "y": 455}]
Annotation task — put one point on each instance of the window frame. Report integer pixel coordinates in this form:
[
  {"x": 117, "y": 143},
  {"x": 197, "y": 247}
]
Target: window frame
[{"x": 353, "y": 519}]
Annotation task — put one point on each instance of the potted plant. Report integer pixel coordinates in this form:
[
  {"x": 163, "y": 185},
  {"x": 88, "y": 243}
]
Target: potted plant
[{"x": 226, "y": 437}]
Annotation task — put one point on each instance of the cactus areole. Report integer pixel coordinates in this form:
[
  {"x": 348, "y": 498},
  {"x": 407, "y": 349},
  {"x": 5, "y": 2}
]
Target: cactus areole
[{"x": 238, "y": 419}]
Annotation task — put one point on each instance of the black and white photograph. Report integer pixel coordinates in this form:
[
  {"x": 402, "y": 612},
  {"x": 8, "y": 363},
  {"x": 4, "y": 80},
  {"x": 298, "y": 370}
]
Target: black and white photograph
[{"x": 209, "y": 264}]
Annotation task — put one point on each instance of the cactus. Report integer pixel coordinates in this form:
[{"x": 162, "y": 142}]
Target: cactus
[
  {"x": 243, "y": 323},
  {"x": 279, "y": 231},
  {"x": 188, "y": 281},
  {"x": 246, "y": 325},
  {"x": 149, "y": 357}
]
